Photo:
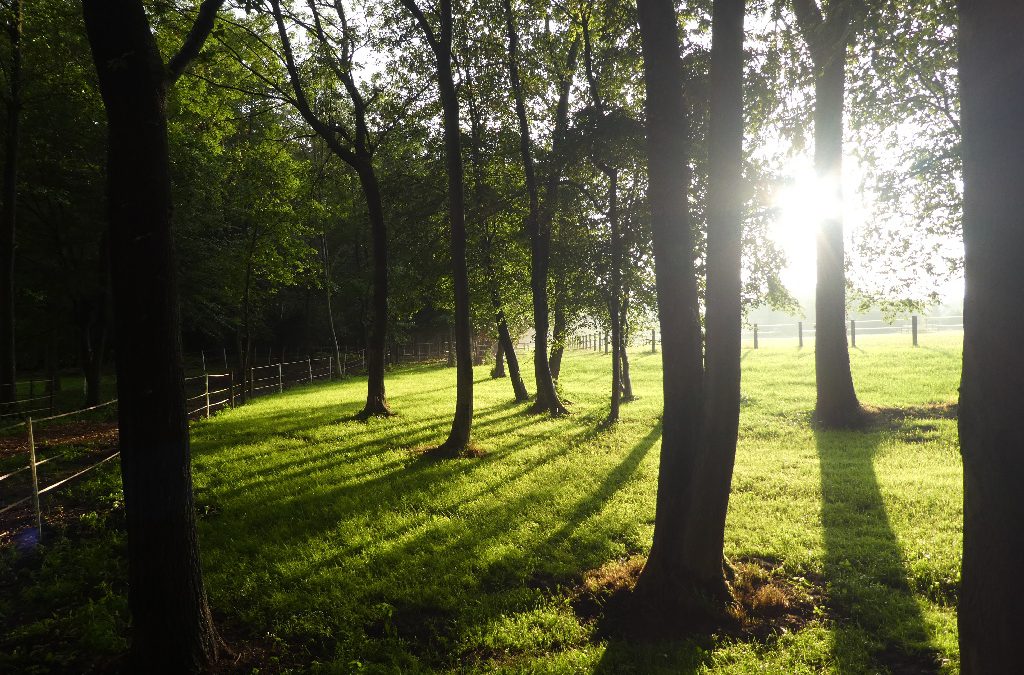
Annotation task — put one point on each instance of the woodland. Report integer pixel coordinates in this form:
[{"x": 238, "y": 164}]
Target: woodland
[{"x": 526, "y": 239}]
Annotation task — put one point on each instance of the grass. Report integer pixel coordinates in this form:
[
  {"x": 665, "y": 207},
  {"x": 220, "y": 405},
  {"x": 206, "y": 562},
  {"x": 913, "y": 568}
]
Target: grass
[{"x": 333, "y": 545}]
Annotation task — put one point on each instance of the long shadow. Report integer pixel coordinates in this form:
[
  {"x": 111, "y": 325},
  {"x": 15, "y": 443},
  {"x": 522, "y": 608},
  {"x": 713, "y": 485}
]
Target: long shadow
[{"x": 879, "y": 622}]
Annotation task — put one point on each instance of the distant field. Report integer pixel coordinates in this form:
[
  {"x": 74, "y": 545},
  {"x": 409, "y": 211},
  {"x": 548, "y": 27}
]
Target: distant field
[{"x": 335, "y": 542}]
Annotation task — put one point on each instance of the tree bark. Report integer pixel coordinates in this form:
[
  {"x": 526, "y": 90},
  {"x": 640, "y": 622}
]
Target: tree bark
[
  {"x": 538, "y": 228},
  {"x": 614, "y": 305},
  {"x": 8, "y": 211},
  {"x": 837, "y": 404},
  {"x": 991, "y": 399},
  {"x": 499, "y": 359},
  {"x": 172, "y": 630},
  {"x": 684, "y": 572},
  {"x": 339, "y": 367},
  {"x": 828, "y": 36},
  {"x": 627, "y": 381},
  {"x": 558, "y": 332},
  {"x": 376, "y": 400},
  {"x": 723, "y": 320}
]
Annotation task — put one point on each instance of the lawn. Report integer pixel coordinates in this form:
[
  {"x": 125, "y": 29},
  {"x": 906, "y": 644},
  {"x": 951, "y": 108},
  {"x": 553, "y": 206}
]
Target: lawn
[{"x": 335, "y": 545}]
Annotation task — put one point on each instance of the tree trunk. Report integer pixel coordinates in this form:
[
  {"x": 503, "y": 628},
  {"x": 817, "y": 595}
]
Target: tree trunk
[
  {"x": 614, "y": 305},
  {"x": 684, "y": 572},
  {"x": 172, "y": 631},
  {"x": 663, "y": 579},
  {"x": 339, "y": 367},
  {"x": 376, "y": 401},
  {"x": 8, "y": 212},
  {"x": 558, "y": 333},
  {"x": 837, "y": 404},
  {"x": 991, "y": 398},
  {"x": 627, "y": 381},
  {"x": 508, "y": 349},
  {"x": 706, "y": 524},
  {"x": 539, "y": 228},
  {"x": 499, "y": 359},
  {"x": 459, "y": 437}
]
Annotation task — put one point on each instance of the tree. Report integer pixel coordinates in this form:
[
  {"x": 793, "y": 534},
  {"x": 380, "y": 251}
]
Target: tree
[
  {"x": 172, "y": 630},
  {"x": 8, "y": 201},
  {"x": 828, "y": 32},
  {"x": 355, "y": 144},
  {"x": 685, "y": 568},
  {"x": 991, "y": 59},
  {"x": 538, "y": 221},
  {"x": 440, "y": 43}
]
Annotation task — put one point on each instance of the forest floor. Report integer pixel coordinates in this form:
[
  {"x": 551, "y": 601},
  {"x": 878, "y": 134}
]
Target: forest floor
[{"x": 335, "y": 545}]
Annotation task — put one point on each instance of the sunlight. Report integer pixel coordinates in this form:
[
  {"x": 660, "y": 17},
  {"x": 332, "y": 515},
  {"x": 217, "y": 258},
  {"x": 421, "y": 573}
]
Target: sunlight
[{"x": 802, "y": 203}]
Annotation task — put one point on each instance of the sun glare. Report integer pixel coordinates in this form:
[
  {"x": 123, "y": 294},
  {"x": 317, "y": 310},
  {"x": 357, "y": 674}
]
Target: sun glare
[{"x": 801, "y": 204}]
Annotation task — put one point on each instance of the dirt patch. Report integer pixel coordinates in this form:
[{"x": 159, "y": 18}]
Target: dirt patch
[
  {"x": 100, "y": 434},
  {"x": 895, "y": 419},
  {"x": 918, "y": 662},
  {"x": 766, "y": 601}
]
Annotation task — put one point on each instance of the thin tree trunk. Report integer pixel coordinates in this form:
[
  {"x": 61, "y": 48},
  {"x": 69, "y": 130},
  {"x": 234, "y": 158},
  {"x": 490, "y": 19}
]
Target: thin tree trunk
[
  {"x": 558, "y": 332},
  {"x": 614, "y": 304},
  {"x": 499, "y": 360},
  {"x": 837, "y": 404},
  {"x": 172, "y": 630},
  {"x": 325, "y": 255},
  {"x": 991, "y": 398},
  {"x": 627, "y": 381},
  {"x": 8, "y": 211},
  {"x": 508, "y": 349},
  {"x": 538, "y": 228},
  {"x": 376, "y": 400}
]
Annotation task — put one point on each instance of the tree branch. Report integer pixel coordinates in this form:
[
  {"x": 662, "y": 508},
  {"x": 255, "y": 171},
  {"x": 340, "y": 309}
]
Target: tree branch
[{"x": 194, "y": 40}]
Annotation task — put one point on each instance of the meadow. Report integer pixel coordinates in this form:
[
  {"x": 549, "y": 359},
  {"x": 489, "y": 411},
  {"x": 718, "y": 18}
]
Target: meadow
[{"x": 335, "y": 545}]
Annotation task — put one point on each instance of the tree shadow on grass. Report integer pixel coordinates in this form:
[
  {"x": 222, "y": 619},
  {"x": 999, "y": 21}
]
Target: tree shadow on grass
[{"x": 879, "y": 623}]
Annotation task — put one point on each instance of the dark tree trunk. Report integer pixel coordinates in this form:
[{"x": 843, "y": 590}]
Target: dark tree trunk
[
  {"x": 614, "y": 305},
  {"x": 706, "y": 525},
  {"x": 538, "y": 226},
  {"x": 172, "y": 631},
  {"x": 8, "y": 211},
  {"x": 508, "y": 349},
  {"x": 376, "y": 401},
  {"x": 499, "y": 360},
  {"x": 627, "y": 381},
  {"x": 837, "y": 404},
  {"x": 459, "y": 437},
  {"x": 685, "y": 568},
  {"x": 991, "y": 397},
  {"x": 558, "y": 333},
  {"x": 663, "y": 578}
]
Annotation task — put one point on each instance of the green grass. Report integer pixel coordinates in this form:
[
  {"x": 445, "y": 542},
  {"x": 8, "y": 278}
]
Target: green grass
[{"x": 335, "y": 546}]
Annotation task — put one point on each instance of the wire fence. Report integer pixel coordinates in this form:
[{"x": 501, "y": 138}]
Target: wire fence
[
  {"x": 65, "y": 464},
  {"x": 796, "y": 331}
]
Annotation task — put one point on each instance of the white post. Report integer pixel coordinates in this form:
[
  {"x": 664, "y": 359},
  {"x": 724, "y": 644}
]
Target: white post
[
  {"x": 206, "y": 392},
  {"x": 35, "y": 480},
  {"x": 310, "y": 364},
  {"x": 280, "y": 379}
]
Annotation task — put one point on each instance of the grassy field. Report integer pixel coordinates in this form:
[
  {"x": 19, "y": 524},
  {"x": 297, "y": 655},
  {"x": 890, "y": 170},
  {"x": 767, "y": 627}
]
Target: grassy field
[{"x": 335, "y": 545}]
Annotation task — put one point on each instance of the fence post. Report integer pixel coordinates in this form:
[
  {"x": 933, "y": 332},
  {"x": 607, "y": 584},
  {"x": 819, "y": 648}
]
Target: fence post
[
  {"x": 755, "y": 336},
  {"x": 913, "y": 328},
  {"x": 231, "y": 387},
  {"x": 35, "y": 480},
  {"x": 853, "y": 333},
  {"x": 252, "y": 381},
  {"x": 280, "y": 379},
  {"x": 206, "y": 392},
  {"x": 310, "y": 364},
  {"x": 800, "y": 332},
  {"x": 202, "y": 355}
]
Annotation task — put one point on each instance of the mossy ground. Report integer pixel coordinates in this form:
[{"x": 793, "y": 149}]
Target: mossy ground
[{"x": 336, "y": 545}]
